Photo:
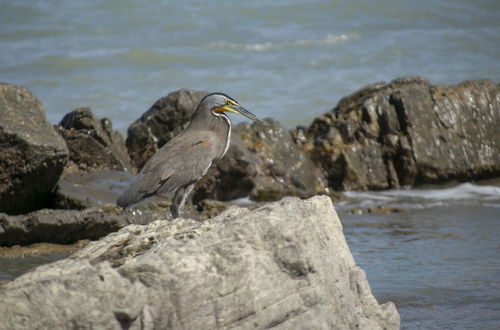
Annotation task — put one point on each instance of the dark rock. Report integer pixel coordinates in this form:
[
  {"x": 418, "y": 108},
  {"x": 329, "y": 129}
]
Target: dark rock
[
  {"x": 69, "y": 226},
  {"x": 459, "y": 138},
  {"x": 211, "y": 208},
  {"x": 285, "y": 265},
  {"x": 32, "y": 155},
  {"x": 166, "y": 118},
  {"x": 92, "y": 142},
  {"x": 407, "y": 132},
  {"x": 263, "y": 162}
]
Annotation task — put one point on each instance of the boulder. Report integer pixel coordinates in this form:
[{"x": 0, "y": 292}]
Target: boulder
[
  {"x": 92, "y": 142},
  {"x": 32, "y": 155},
  {"x": 166, "y": 118},
  {"x": 69, "y": 226},
  {"x": 263, "y": 162},
  {"x": 285, "y": 266},
  {"x": 407, "y": 132}
]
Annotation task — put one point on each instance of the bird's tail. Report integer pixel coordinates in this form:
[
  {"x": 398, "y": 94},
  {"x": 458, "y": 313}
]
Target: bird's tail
[
  {"x": 124, "y": 200},
  {"x": 131, "y": 195}
]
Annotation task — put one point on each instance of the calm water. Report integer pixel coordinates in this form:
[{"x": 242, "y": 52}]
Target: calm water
[
  {"x": 291, "y": 60},
  {"x": 12, "y": 267},
  {"x": 439, "y": 261}
]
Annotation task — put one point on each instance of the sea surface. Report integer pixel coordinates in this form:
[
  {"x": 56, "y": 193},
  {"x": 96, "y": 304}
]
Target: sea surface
[
  {"x": 291, "y": 60},
  {"x": 438, "y": 260}
]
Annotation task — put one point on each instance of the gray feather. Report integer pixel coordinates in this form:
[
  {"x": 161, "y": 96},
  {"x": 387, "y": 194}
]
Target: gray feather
[{"x": 181, "y": 162}]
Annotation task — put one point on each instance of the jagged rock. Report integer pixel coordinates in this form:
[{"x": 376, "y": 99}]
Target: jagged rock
[
  {"x": 32, "y": 154},
  {"x": 92, "y": 142},
  {"x": 264, "y": 163},
  {"x": 166, "y": 118},
  {"x": 69, "y": 226},
  {"x": 283, "y": 266},
  {"x": 407, "y": 132}
]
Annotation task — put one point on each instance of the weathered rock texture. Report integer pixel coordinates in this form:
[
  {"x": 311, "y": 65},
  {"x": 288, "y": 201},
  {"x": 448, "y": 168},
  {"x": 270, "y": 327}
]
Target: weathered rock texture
[
  {"x": 283, "y": 266},
  {"x": 166, "y": 118},
  {"x": 263, "y": 162},
  {"x": 408, "y": 132},
  {"x": 32, "y": 154},
  {"x": 92, "y": 142}
]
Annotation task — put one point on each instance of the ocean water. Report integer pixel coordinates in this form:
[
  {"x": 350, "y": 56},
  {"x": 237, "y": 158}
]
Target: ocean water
[
  {"x": 439, "y": 260},
  {"x": 291, "y": 60}
]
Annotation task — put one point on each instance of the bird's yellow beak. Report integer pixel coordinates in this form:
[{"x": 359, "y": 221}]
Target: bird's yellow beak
[{"x": 234, "y": 107}]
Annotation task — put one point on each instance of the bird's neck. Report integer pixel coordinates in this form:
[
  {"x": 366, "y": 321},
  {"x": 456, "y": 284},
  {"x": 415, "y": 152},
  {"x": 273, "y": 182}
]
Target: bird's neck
[{"x": 216, "y": 123}]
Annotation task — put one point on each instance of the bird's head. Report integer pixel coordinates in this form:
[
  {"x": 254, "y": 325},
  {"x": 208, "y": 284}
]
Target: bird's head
[{"x": 219, "y": 103}]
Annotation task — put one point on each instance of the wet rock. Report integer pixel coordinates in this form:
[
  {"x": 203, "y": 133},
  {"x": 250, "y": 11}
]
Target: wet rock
[
  {"x": 407, "y": 132},
  {"x": 41, "y": 249},
  {"x": 92, "y": 142},
  {"x": 32, "y": 155},
  {"x": 211, "y": 208},
  {"x": 263, "y": 162},
  {"x": 69, "y": 226},
  {"x": 96, "y": 189},
  {"x": 285, "y": 265},
  {"x": 166, "y": 118},
  {"x": 83, "y": 190}
]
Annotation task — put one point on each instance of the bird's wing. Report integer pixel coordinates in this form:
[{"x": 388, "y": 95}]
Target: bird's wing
[{"x": 178, "y": 163}]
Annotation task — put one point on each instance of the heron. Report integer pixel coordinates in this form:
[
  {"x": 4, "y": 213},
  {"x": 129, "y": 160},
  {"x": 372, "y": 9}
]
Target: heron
[{"x": 185, "y": 159}]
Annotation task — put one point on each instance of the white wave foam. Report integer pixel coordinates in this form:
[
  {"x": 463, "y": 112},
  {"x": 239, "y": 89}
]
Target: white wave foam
[
  {"x": 328, "y": 40},
  {"x": 466, "y": 193}
]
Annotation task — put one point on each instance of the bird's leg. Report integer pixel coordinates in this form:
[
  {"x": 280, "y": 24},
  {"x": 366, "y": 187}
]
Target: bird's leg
[{"x": 179, "y": 202}]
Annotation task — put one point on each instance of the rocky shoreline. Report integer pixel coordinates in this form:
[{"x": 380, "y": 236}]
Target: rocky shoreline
[
  {"x": 58, "y": 184},
  {"x": 385, "y": 135}
]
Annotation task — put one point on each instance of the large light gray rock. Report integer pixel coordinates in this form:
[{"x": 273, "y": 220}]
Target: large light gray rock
[{"x": 285, "y": 265}]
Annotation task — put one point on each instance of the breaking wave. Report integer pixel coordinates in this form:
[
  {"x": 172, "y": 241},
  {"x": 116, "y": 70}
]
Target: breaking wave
[
  {"x": 463, "y": 194},
  {"x": 330, "y": 39}
]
